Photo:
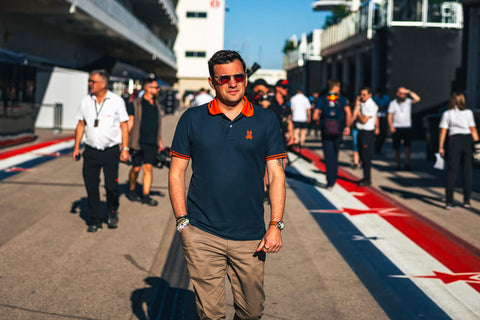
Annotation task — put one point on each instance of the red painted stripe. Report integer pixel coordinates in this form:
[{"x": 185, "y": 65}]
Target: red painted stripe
[
  {"x": 453, "y": 252},
  {"x": 17, "y": 152},
  {"x": 6, "y": 143}
]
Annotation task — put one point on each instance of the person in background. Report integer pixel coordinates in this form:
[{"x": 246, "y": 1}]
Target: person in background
[
  {"x": 382, "y": 100},
  {"x": 145, "y": 126},
  {"x": 221, "y": 221},
  {"x": 202, "y": 97},
  {"x": 400, "y": 123},
  {"x": 279, "y": 106},
  {"x": 313, "y": 125},
  {"x": 365, "y": 114},
  {"x": 333, "y": 111},
  {"x": 462, "y": 133},
  {"x": 300, "y": 106},
  {"x": 102, "y": 118}
]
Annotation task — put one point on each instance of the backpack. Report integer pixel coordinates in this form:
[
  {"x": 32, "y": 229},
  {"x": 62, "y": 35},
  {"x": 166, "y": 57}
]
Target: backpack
[{"x": 332, "y": 116}]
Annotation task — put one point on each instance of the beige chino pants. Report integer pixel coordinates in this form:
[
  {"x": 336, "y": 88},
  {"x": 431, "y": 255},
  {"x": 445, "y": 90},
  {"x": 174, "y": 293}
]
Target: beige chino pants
[{"x": 210, "y": 259}]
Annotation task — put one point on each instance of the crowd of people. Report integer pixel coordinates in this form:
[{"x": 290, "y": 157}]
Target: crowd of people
[
  {"x": 369, "y": 120},
  {"x": 236, "y": 143}
]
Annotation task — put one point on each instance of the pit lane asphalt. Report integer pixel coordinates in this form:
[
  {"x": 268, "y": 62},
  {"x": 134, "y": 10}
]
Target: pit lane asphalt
[{"x": 51, "y": 268}]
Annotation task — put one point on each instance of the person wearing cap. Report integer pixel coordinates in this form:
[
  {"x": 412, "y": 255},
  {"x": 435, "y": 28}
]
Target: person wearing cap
[
  {"x": 282, "y": 111},
  {"x": 102, "y": 118},
  {"x": 221, "y": 220}
]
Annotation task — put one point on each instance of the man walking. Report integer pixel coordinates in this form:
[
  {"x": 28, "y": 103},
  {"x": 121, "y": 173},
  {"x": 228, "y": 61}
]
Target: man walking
[
  {"x": 230, "y": 142},
  {"x": 365, "y": 113},
  {"x": 145, "y": 124},
  {"x": 400, "y": 122},
  {"x": 300, "y": 106},
  {"x": 102, "y": 117},
  {"x": 334, "y": 113}
]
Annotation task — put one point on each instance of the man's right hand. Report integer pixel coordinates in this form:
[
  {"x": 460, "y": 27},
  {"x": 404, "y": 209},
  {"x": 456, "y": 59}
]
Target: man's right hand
[{"x": 76, "y": 154}]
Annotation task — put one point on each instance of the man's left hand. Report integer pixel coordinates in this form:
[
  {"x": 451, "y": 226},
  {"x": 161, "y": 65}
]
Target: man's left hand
[
  {"x": 124, "y": 155},
  {"x": 272, "y": 241}
]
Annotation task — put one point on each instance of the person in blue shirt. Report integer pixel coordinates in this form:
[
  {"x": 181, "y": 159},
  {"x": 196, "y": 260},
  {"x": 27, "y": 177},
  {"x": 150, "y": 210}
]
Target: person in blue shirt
[
  {"x": 382, "y": 100},
  {"x": 230, "y": 143}
]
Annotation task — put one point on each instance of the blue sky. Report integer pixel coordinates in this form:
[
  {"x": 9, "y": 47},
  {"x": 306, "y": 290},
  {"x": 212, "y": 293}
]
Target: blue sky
[{"x": 258, "y": 28}]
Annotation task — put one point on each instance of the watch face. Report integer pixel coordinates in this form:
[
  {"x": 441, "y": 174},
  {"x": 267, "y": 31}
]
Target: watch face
[{"x": 280, "y": 225}]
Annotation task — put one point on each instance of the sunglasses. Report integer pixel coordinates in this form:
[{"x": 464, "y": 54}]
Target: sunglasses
[{"x": 239, "y": 77}]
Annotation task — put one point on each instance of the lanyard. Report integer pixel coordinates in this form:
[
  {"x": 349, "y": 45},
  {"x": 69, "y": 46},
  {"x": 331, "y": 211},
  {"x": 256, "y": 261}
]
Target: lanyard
[
  {"x": 95, "y": 124},
  {"x": 101, "y": 107}
]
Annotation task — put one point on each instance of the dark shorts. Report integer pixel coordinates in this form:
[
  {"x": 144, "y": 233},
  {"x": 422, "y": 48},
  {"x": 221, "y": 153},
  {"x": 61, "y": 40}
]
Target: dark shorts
[
  {"x": 299, "y": 125},
  {"x": 400, "y": 134},
  {"x": 146, "y": 155}
]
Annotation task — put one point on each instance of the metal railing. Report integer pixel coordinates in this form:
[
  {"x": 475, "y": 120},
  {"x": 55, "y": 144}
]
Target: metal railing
[
  {"x": 376, "y": 14},
  {"x": 118, "y": 18}
]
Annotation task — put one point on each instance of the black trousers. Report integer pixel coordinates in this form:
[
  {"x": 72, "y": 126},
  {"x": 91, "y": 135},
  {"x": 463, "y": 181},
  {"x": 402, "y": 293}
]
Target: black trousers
[
  {"x": 93, "y": 161},
  {"x": 366, "y": 140},
  {"x": 459, "y": 152},
  {"x": 331, "y": 147},
  {"x": 380, "y": 139}
]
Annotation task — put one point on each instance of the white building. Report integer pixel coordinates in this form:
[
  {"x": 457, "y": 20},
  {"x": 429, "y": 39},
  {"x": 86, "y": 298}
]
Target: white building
[{"x": 201, "y": 27}]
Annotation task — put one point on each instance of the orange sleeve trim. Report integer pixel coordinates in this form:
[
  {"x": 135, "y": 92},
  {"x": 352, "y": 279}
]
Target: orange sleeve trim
[
  {"x": 277, "y": 156},
  {"x": 179, "y": 155}
]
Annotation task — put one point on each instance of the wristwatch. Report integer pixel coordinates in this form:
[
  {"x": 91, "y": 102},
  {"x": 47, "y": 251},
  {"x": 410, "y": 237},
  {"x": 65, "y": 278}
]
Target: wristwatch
[
  {"x": 279, "y": 224},
  {"x": 126, "y": 148}
]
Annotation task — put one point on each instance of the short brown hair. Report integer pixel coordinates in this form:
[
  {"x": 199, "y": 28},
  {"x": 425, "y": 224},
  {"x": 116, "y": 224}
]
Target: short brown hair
[{"x": 224, "y": 57}]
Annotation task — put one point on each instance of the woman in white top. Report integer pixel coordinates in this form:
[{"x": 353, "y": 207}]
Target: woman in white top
[{"x": 459, "y": 122}]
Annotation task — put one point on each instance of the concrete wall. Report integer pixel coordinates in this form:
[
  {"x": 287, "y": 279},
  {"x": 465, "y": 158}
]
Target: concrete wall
[
  {"x": 198, "y": 34},
  {"x": 59, "y": 85}
]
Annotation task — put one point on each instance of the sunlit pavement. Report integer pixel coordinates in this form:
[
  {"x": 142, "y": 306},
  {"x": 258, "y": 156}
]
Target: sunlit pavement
[{"x": 386, "y": 251}]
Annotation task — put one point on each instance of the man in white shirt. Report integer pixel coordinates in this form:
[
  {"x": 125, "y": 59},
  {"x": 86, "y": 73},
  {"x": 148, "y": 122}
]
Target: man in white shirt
[
  {"x": 400, "y": 122},
  {"x": 202, "y": 97},
  {"x": 367, "y": 123},
  {"x": 300, "y": 106},
  {"x": 102, "y": 117}
]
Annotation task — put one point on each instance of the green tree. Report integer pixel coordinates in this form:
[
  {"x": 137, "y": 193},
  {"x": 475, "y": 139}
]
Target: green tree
[
  {"x": 336, "y": 16},
  {"x": 288, "y": 46}
]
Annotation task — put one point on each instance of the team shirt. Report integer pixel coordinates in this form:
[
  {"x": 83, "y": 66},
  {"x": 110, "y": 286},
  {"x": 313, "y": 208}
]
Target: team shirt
[
  {"x": 402, "y": 112},
  {"x": 109, "y": 113},
  {"x": 226, "y": 191},
  {"x": 457, "y": 121},
  {"x": 332, "y": 106},
  {"x": 368, "y": 108}
]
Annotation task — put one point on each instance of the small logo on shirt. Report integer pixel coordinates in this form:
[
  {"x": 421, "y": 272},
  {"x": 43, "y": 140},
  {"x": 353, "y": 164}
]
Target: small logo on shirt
[{"x": 249, "y": 135}]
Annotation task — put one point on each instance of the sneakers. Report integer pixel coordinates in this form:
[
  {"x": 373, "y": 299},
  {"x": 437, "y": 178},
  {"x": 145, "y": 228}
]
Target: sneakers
[
  {"x": 449, "y": 206},
  {"x": 113, "y": 220},
  {"x": 94, "y": 227},
  {"x": 132, "y": 196},
  {"x": 146, "y": 199},
  {"x": 466, "y": 205}
]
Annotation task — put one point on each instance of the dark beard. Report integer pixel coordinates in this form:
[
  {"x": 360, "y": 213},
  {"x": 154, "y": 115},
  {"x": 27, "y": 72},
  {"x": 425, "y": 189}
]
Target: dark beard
[{"x": 401, "y": 99}]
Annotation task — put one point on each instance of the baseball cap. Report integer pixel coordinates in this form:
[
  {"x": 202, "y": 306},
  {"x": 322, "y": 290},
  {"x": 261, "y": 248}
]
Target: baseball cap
[
  {"x": 282, "y": 83},
  {"x": 260, "y": 82}
]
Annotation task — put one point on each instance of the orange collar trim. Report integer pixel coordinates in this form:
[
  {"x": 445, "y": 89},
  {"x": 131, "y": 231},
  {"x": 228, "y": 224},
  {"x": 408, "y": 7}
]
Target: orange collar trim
[{"x": 247, "y": 110}]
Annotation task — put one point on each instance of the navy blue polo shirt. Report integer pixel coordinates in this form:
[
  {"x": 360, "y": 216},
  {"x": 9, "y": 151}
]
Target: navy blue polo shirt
[{"x": 226, "y": 191}]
